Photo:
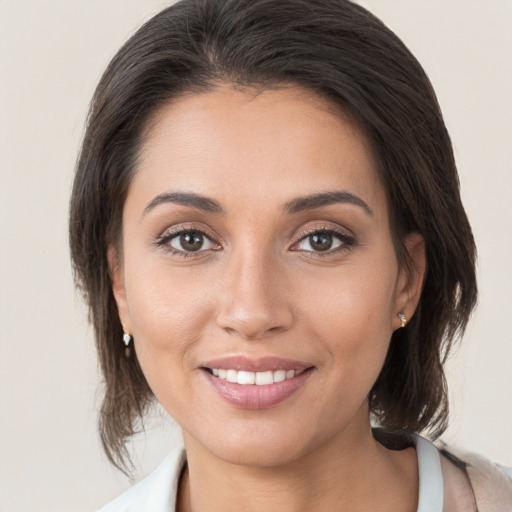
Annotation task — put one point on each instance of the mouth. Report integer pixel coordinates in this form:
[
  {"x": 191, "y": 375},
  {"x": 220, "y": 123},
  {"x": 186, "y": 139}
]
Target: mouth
[
  {"x": 248, "y": 378},
  {"x": 256, "y": 384}
]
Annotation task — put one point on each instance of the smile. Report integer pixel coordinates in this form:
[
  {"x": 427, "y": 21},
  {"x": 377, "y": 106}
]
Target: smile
[
  {"x": 254, "y": 378},
  {"x": 256, "y": 383}
]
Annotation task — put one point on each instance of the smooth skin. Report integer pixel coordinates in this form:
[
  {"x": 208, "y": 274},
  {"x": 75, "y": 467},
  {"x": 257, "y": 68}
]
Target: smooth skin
[{"x": 247, "y": 272}]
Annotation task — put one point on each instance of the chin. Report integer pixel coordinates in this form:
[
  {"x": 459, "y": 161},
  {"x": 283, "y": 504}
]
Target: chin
[
  {"x": 268, "y": 447},
  {"x": 257, "y": 454}
]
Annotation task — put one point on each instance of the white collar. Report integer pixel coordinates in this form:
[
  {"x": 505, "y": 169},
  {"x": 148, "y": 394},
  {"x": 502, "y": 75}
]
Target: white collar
[
  {"x": 157, "y": 492},
  {"x": 431, "y": 484}
]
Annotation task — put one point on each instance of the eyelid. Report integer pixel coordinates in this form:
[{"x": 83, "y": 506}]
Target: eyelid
[
  {"x": 205, "y": 240},
  {"x": 345, "y": 236},
  {"x": 163, "y": 240}
]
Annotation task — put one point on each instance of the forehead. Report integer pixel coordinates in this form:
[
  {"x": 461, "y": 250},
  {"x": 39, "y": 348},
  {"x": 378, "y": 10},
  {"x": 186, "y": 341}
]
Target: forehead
[{"x": 260, "y": 145}]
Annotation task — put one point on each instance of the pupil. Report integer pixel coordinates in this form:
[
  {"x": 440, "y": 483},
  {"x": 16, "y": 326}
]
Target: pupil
[
  {"x": 321, "y": 242},
  {"x": 191, "y": 241}
]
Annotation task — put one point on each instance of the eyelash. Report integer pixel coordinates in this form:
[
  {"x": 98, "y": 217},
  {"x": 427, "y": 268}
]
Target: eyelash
[
  {"x": 164, "y": 242},
  {"x": 347, "y": 241}
]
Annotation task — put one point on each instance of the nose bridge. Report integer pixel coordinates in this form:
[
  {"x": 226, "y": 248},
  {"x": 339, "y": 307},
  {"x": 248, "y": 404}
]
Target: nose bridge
[{"x": 253, "y": 304}]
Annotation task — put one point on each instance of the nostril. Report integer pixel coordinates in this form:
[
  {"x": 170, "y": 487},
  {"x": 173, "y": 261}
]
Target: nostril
[
  {"x": 249, "y": 334},
  {"x": 254, "y": 321},
  {"x": 230, "y": 330}
]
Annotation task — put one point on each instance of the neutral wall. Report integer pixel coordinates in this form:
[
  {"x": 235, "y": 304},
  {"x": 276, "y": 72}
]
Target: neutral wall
[{"x": 51, "y": 56}]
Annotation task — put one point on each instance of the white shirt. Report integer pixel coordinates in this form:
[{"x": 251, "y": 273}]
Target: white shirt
[{"x": 493, "y": 491}]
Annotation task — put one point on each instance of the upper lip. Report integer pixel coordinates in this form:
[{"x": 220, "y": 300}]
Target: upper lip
[{"x": 264, "y": 364}]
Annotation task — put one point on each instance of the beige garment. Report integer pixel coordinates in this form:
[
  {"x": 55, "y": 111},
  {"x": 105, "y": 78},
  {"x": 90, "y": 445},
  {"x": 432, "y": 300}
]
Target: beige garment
[
  {"x": 473, "y": 483},
  {"x": 467, "y": 481}
]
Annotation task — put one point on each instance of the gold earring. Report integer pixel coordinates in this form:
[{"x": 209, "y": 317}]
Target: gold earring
[
  {"x": 127, "y": 339},
  {"x": 403, "y": 319}
]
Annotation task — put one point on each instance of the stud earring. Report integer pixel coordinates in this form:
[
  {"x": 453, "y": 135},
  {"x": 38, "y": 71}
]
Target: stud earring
[
  {"x": 127, "y": 340},
  {"x": 403, "y": 319}
]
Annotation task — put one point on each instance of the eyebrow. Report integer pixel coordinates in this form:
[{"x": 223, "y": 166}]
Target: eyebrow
[
  {"x": 297, "y": 205},
  {"x": 187, "y": 199},
  {"x": 324, "y": 199}
]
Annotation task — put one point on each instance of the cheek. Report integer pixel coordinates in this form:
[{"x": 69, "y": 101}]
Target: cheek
[
  {"x": 164, "y": 300},
  {"x": 168, "y": 314},
  {"x": 352, "y": 314},
  {"x": 352, "y": 299}
]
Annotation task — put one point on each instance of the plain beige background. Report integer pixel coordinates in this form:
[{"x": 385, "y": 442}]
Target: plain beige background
[{"x": 51, "y": 56}]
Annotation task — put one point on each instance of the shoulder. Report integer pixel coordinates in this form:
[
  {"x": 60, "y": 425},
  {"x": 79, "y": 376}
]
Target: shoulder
[
  {"x": 154, "y": 493},
  {"x": 486, "y": 484}
]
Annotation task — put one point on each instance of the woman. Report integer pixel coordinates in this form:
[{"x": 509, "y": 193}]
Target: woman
[{"x": 267, "y": 225}]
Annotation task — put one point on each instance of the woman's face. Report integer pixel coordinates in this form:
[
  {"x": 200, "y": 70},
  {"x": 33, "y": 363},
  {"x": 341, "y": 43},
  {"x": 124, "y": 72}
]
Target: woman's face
[{"x": 257, "y": 248}]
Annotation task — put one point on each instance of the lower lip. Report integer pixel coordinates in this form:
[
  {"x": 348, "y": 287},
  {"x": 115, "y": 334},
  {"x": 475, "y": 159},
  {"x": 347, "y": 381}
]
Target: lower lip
[{"x": 254, "y": 396}]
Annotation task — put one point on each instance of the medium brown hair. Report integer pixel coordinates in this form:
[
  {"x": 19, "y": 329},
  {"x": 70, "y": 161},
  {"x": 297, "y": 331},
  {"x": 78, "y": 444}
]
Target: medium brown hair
[{"x": 341, "y": 52}]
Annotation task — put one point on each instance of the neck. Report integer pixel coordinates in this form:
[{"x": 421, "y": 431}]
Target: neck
[{"x": 351, "y": 472}]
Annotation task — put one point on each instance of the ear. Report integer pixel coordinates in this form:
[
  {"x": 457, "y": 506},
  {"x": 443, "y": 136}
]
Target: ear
[
  {"x": 118, "y": 287},
  {"x": 410, "y": 279}
]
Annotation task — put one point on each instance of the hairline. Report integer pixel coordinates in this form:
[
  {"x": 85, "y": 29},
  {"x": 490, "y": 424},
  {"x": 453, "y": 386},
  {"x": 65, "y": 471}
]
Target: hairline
[{"x": 314, "y": 97}]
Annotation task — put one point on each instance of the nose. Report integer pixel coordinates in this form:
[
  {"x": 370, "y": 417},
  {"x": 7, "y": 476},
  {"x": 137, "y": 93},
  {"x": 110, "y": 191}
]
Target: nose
[{"x": 254, "y": 303}]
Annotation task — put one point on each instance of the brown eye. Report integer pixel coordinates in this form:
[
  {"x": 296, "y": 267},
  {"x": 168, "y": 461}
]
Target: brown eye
[
  {"x": 321, "y": 241},
  {"x": 191, "y": 241},
  {"x": 324, "y": 241}
]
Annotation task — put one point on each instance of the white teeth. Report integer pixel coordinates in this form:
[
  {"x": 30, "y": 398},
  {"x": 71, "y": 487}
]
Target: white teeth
[
  {"x": 279, "y": 375},
  {"x": 245, "y": 377},
  {"x": 257, "y": 378},
  {"x": 263, "y": 378},
  {"x": 232, "y": 376}
]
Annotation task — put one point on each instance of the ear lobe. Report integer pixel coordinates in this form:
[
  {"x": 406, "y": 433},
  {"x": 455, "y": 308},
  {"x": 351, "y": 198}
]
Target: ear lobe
[
  {"x": 118, "y": 288},
  {"x": 410, "y": 281}
]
